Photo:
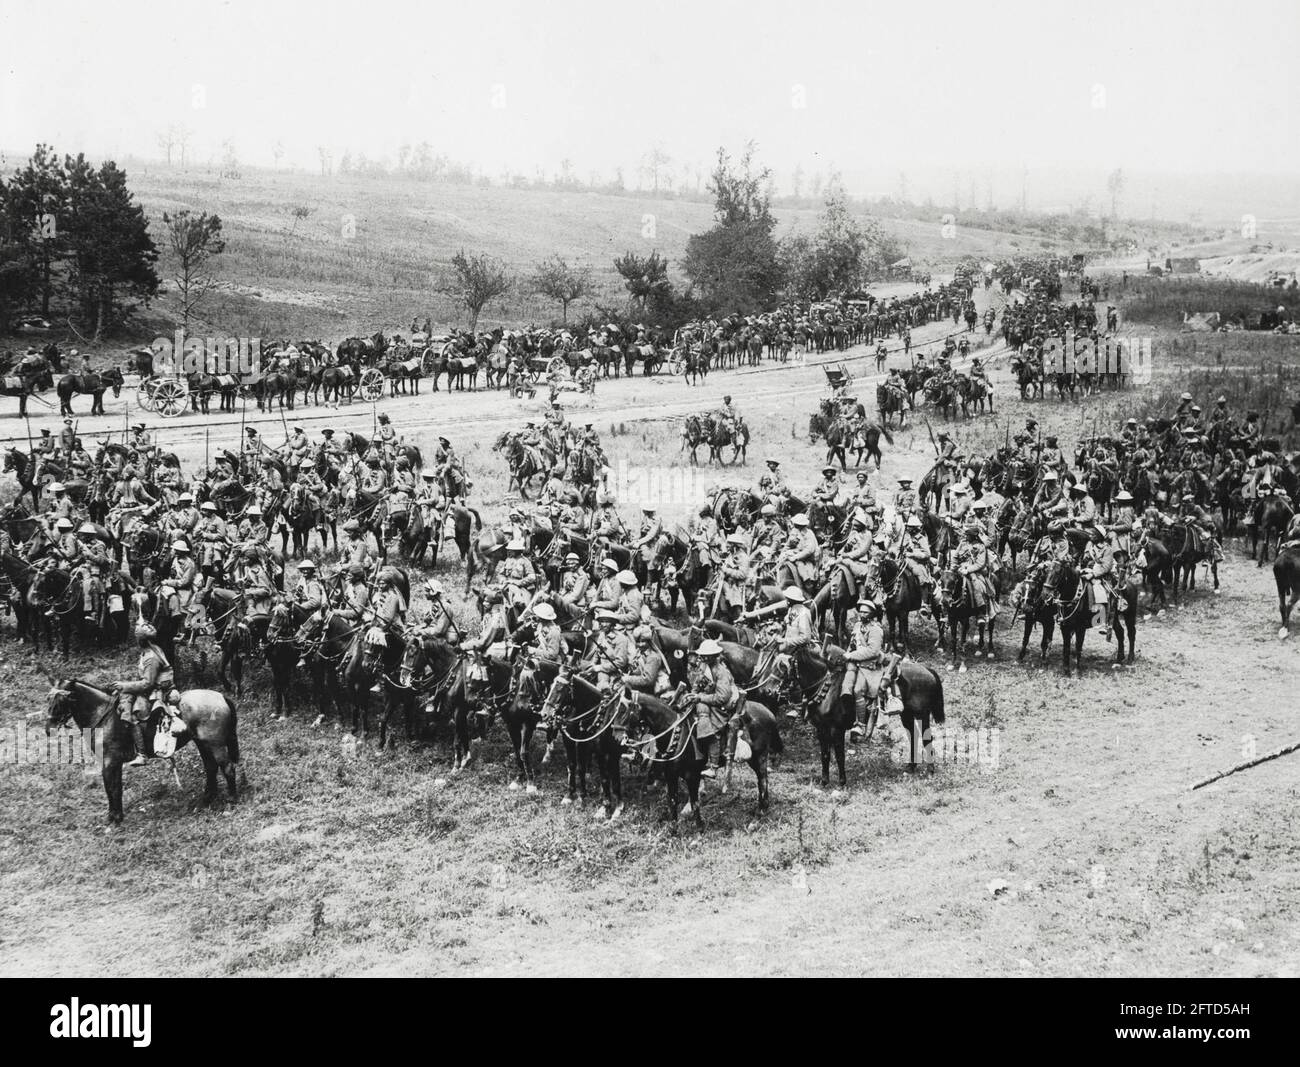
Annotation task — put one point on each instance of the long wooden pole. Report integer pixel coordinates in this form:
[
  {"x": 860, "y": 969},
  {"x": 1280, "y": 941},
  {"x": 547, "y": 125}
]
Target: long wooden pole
[{"x": 1247, "y": 764}]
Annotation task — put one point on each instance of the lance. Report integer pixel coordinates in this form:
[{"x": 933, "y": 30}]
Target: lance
[
  {"x": 206, "y": 434},
  {"x": 239, "y": 445}
]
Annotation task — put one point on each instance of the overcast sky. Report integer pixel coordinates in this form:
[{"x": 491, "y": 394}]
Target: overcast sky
[{"x": 869, "y": 88}]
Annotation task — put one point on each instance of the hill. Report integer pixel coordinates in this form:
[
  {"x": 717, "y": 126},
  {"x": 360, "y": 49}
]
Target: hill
[{"x": 302, "y": 277}]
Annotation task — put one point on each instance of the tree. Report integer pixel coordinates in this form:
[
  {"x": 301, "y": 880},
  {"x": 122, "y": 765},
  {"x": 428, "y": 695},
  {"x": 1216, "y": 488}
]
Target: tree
[
  {"x": 644, "y": 277},
  {"x": 194, "y": 239},
  {"x": 229, "y": 160},
  {"x": 182, "y": 135},
  {"x": 655, "y": 161},
  {"x": 19, "y": 282},
  {"x": 840, "y": 256},
  {"x": 111, "y": 253},
  {"x": 326, "y": 158},
  {"x": 555, "y": 279},
  {"x": 277, "y": 152},
  {"x": 1115, "y": 186},
  {"x": 478, "y": 279},
  {"x": 167, "y": 142},
  {"x": 36, "y": 207},
  {"x": 796, "y": 181},
  {"x": 735, "y": 264}
]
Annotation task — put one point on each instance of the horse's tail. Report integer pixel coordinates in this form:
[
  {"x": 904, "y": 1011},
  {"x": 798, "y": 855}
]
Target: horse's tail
[
  {"x": 888, "y": 436},
  {"x": 233, "y": 745},
  {"x": 478, "y": 522},
  {"x": 937, "y": 711}
]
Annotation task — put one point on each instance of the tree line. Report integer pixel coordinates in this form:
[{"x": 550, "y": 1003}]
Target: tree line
[
  {"x": 73, "y": 241},
  {"x": 736, "y": 266}
]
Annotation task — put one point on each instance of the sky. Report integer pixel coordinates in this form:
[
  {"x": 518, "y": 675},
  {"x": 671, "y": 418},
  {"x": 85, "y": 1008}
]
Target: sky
[{"x": 869, "y": 89}]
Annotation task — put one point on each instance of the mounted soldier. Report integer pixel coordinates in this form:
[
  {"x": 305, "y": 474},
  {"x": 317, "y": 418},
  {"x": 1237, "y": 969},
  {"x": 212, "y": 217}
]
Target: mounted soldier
[
  {"x": 154, "y": 689},
  {"x": 715, "y": 696},
  {"x": 869, "y": 668}
]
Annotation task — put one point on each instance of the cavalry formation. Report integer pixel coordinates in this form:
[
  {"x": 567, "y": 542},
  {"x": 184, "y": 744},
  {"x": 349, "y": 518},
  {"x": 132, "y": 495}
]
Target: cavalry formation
[{"x": 685, "y": 648}]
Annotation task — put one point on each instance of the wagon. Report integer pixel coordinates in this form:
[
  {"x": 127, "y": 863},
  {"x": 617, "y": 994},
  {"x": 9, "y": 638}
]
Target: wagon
[
  {"x": 538, "y": 367},
  {"x": 371, "y": 384},
  {"x": 166, "y": 396},
  {"x": 838, "y": 378},
  {"x": 434, "y": 351}
]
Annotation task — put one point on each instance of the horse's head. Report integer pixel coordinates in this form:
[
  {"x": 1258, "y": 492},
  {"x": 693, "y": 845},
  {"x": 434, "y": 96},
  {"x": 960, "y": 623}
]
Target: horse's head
[
  {"x": 59, "y": 704},
  {"x": 414, "y": 661}
]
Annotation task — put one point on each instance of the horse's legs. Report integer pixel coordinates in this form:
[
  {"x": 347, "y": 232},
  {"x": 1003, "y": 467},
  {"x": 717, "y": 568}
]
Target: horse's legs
[
  {"x": 112, "y": 776},
  {"x": 209, "y": 774},
  {"x": 824, "y": 739},
  {"x": 838, "y": 740}
]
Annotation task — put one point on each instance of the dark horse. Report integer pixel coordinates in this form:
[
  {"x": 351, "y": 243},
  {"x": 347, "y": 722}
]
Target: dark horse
[
  {"x": 91, "y": 384},
  {"x": 1063, "y": 598},
  {"x": 210, "y": 722},
  {"x": 1286, "y": 573},
  {"x": 589, "y": 720},
  {"x": 919, "y": 688}
]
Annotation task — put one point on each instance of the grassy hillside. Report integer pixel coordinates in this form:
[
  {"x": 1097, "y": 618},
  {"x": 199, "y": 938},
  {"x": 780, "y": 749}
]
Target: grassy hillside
[{"x": 302, "y": 277}]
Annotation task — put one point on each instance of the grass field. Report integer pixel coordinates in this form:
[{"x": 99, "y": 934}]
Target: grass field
[
  {"x": 1082, "y": 852},
  {"x": 304, "y": 278}
]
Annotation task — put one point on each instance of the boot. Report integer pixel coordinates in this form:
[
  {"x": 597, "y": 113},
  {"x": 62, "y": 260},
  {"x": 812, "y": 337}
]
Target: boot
[
  {"x": 859, "y": 718},
  {"x": 137, "y": 732}
]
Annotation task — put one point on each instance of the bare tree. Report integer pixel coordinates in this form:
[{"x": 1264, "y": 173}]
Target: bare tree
[
  {"x": 167, "y": 142},
  {"x": 479, "y": 279},
  {"x": 796, "y": 181},
  {"x": 555, "y": 279},
  {"x": 277, "y": 152},
  {"x": 326, "y": 158},
  {"x": 299, "y": 214},
  {"x": 183, "y": 135},
  {"x": 194, "y": 239},
  {"x": 656, "y": 160}
]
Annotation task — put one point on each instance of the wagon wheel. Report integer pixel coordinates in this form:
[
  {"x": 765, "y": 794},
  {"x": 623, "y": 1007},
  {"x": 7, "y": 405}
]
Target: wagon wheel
[
  {"x": 677, "y": 365},
  {"x": 371, "y": 385},
  {"x": 169, "y": 398},
  {"x": 558, "y": 365},
  {"x": 144, "y": 395},
  {"x": 428, "y": 360}
]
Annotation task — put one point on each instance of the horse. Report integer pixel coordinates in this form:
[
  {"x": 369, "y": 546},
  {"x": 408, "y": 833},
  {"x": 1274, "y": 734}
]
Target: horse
[
  {"x": 91, "y": 384},
  {"x": 589, "y": 719},
  {"x": 902, "y": 590},
  {"x": 1186, "y": 552},
  {"x": 1062, "y": 597},
  {"x": 890, "y": 402},
  {"x": 23, "y": 467},
  {"x": 25, "y": 382},
  {"x": 921, "y": 691},
  {"x": 1286, "y": 574},
  {"x": 959, "y": 609},
  {"x": 722, "y": 436},
  {"x": 935, "y": 484},
  {"x": 1272, "y": 516},
  {"x": 210, "y": 722}
]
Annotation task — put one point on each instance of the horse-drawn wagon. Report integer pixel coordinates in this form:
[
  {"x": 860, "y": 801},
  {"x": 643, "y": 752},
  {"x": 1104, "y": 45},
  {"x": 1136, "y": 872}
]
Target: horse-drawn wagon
[
  {"x": 166, "y": 395},
  {"x": 838, "y": 378}
]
